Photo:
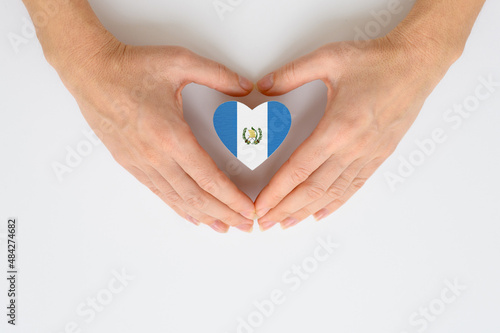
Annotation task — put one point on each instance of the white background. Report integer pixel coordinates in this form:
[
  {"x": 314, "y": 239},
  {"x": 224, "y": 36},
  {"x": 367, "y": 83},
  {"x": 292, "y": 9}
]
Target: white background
[{"x": 396, "y": 248}]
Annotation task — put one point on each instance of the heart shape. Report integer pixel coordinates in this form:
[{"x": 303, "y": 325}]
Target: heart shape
[{"x": 252, "y": 135}]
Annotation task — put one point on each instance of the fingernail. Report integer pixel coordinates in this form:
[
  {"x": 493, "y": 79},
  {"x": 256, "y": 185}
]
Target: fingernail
[
  {"x": 289, "y": 222},
  {"x": 245, "y": 227},
  {"x": 321, "y": 214},
  {"x": 192, "y": 220},
  {"x": 261, "y": 212},
  {"x": 219, "y": 226},
  {"x": 266, "y": 83},
  {"x": 246, "y": 83},
  {"x": 267, "y": 225},
  {"x": 249, "y": 214}
]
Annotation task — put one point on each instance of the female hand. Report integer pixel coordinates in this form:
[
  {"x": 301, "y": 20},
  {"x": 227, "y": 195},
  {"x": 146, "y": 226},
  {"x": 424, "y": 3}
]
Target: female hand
[
  {"x": 375, "y": 91},
  {"x": 131, "y": 97}
]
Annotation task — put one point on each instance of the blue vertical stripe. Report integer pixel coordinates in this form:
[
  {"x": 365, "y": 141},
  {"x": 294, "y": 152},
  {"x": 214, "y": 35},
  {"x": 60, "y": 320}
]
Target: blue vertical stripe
[
  {"x": 278, "y": 125},
  {"x": 225, "y": 123}
]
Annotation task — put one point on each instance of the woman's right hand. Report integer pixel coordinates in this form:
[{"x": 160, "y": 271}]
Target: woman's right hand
[{"x": 131, "y": 97}]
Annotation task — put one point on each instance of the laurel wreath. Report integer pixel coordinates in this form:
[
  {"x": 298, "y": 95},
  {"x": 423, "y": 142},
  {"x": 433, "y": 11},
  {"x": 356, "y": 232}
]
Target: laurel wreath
[{"x": 257, "y": 140}]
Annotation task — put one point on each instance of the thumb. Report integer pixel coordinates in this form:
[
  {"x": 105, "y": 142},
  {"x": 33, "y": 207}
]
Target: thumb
[
  {"x": 295, "y": 74},
  {"x": 217, "y": 76}
]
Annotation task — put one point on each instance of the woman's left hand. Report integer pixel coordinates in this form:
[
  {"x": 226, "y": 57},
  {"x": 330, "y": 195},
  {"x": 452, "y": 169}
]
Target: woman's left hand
[{"x": 375, "y": 91}]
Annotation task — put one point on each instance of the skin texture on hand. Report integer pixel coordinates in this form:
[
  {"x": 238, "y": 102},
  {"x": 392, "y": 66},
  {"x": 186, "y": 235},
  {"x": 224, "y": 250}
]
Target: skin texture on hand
[
  {"x": 374, "y": 94},
  {"x": 376, "y": 89},
  {"x": 131, "y": 98}
]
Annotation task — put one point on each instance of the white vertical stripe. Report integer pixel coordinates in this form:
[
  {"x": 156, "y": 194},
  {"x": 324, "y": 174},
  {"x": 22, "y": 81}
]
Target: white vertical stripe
[{"x": 252, "y": 155}]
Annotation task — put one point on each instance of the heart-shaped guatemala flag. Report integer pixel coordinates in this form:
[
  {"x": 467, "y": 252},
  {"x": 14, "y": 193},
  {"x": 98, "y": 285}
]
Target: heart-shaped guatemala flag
[{"x": 252, "y": 135}]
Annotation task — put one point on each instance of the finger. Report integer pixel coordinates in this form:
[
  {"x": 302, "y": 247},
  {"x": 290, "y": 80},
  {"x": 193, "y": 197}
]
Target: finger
[
  {"x": 145, "y": 180},
  {"x": 355, "y": 186},
  {"x": 195, "y": 161},
  {"x": 350, "y": 178},
  {"x": 192, "y": 215},
  {"x": 199, "y": 200},
  {"x": 339, "y": 202},
  {"x": 314, "y": 188},
  {"x": 216, "y": 76},
  {"x": 336, "y": 190},
  {"x": 304, "y": 161},
  {"x": 171, "y": 197},
  {"x": 295, "y": 74},
  {"x": 331, "y": 136}
]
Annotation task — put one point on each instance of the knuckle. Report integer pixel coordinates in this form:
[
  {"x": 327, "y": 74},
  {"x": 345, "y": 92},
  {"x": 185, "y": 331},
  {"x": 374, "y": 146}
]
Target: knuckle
[
  {"x": 154, "y": 190},
  {"x": 353, "y": 124},
  {"x": 181, "y": 55},
  {"x": 158, "y": 135},
  {"x": 232, "y": 202},
  {"x": 215, "y": 182},
  {"x": 229, "y": 219},
  {"x": 315, "y": 191},
  {"x": 358, "y": 183},
  {"x": 276, "y": 197},
  {"x": 330, "y": 146},
  {"x": 365, "y": 141},
  {"x": 222, "y": 72},
  {"x": 196, "y": 201},
  {"x": 153, "y": 145},
  {"x": 289, "y": 72},
  {"x": 335, "y": 191},
  {"x": 306, "y": 211},
  {"x": 285, "y": 211},
  {"x": 208, "y": 183},
  {"x": 340, "y": 201},
  {"x": 347, "y": 176},
  {"x": 151, "y": 156},
  {"x": 299, "y": 175},
  {"x": 281, "y": 213},
  {"x": 344, "y": 50},
  {"x": 172, "y": 197},
  {"x": 325, "y": 53}
]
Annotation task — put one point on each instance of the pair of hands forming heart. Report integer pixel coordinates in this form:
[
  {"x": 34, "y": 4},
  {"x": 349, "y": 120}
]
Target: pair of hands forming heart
[
  {"x": 374, "y": 94},
  {"x": 131, "y": 97}
]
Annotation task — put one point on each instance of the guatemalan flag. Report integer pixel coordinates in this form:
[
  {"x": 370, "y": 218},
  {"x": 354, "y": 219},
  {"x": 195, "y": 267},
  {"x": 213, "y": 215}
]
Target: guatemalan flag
[{"x": 252, "y": 135}]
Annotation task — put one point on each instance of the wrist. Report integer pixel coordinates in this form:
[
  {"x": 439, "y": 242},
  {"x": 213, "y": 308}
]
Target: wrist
[
  {"x": 437, "y": 31},
  {"x": 425, "y": 52},
  {"x": 77, "y": 54},
  {"x": 428, "y": 46},
  {"x": 72, "y": 36},
  {"x": 63, "y": 48}
]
